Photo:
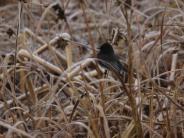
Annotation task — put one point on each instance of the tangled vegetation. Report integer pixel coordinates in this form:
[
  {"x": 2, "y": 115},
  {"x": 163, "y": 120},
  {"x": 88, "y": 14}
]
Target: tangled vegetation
[{"x": 51, "y": 83}]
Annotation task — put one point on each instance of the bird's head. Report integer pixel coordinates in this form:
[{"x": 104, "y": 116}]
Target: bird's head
[{"x": 106, "y": 48}]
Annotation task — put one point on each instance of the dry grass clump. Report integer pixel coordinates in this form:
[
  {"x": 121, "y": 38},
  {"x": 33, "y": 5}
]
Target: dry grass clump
[{"x": 52, "y": 86}]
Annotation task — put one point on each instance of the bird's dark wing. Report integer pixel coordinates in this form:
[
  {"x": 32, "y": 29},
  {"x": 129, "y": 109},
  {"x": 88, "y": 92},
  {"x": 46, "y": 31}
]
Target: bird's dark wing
[
  {"x": 110, "y": 62},
  {"x": 121, "y": 67}
]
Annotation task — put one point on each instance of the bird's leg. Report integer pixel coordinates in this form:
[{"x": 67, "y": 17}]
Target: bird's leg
[{"x": 106, "y": 73}]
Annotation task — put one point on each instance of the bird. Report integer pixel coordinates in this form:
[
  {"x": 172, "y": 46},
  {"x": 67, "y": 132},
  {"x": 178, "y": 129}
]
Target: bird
[{"x": 109, "y": 60}]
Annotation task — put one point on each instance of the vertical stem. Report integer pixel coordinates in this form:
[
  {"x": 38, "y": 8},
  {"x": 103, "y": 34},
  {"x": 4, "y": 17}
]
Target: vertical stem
[
  {"x": 91, "y": 41},
  {"x": 130, "y": 77}
]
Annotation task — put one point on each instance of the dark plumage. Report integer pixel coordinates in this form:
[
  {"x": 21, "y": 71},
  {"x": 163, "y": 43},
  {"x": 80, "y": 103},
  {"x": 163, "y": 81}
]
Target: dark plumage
[{"x": 108, "y": 59}]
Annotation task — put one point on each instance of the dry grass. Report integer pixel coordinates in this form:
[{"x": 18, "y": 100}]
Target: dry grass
[{"x": 51, "y": 85}]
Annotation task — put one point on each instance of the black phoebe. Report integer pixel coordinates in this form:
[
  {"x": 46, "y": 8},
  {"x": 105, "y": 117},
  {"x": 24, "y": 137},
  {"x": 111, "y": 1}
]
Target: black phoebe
[{"x": 108, "y": 59}]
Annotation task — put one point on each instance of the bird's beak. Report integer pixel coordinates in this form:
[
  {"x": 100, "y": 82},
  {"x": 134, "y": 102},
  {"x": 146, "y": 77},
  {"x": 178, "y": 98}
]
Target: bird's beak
[{"x": 98, "y": 48}]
